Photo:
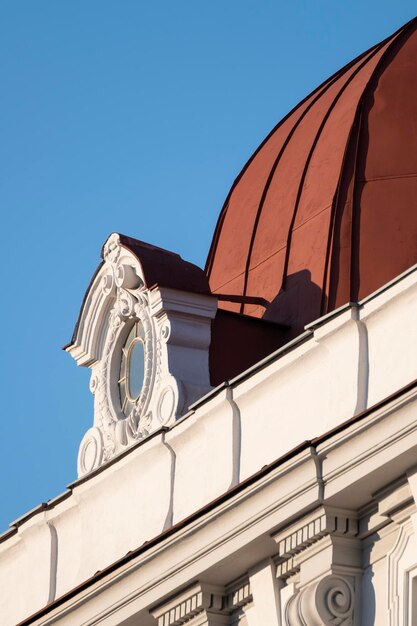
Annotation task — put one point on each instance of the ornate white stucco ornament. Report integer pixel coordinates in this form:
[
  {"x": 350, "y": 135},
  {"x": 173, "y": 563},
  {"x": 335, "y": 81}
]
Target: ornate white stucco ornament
[
  {"x": 327, "y": 602},
  {"x": 146, "y": 345}
]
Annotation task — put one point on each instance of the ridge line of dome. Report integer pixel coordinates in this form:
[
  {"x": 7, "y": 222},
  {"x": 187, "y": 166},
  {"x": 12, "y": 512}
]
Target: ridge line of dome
[
  {"x": 353, "y": 135},
  {"x": 338, "y": 73},
  {"x": 334, "y": 76},
  {"x": 396, "y": 40},
  {"x": 291, "y": 133},
  {"x": 323, "y": 123}
]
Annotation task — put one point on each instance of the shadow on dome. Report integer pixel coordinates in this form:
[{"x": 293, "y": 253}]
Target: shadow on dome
[
  {"x": 298, "y": 304},
  {"x": 239, "y": 340}
]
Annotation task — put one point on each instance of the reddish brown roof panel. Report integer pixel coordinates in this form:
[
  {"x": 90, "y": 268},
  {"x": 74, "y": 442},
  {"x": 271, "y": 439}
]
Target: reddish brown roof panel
[
  {"x": 166, "y": 269},
  {"x": 325, "y": 210}
]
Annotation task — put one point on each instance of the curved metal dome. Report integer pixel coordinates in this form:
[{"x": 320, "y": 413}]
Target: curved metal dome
[{"x": 325, "y": 211}]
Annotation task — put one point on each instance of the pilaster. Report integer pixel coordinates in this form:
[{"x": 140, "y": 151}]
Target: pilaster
[{"x": 265, "y": 593}]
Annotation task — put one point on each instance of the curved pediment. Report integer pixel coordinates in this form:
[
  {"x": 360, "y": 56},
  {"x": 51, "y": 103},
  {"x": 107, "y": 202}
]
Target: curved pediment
[{"x": 128, "y": 264}]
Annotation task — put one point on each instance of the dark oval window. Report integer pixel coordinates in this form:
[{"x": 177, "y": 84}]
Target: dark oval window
[
  {"x": 132, "y": 368},
  {"x": 135, "y": 369}
]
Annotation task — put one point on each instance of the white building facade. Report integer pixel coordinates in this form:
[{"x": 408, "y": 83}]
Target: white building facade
[{"x": 284, "y": 496}]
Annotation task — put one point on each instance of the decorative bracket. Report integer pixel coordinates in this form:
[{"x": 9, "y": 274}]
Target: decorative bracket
[
  {"x": 320, "y": 557},
  {"x": 328, "y": 602}
]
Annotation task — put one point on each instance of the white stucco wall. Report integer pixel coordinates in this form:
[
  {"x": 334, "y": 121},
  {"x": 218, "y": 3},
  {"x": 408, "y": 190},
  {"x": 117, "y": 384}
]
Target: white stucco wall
[{"x": 352, "y": 360}]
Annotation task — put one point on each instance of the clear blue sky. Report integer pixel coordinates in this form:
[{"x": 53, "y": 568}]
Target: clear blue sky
[{"x": 134, "y": 117}]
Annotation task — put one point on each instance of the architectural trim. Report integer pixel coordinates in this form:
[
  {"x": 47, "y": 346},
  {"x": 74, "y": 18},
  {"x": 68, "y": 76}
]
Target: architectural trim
[
  {"x": 226, "y": 502},
  {"x": 322, "y": 550},
  {"x": 201, "y": 598},
  {"x": 397, "y": 600},
  {"x": 211, "y": 524},
  {"x": 204, "y": 601},
  {"x": 325, "y": 521},
  {"x": 238, "y": 595},
  {"x": 176, "y": 327},
  {"x": 328, "y": 602}
]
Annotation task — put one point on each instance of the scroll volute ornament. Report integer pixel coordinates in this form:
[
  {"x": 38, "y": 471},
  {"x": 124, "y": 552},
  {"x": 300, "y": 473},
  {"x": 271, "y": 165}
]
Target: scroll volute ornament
[{"x": 328, "y": 602}]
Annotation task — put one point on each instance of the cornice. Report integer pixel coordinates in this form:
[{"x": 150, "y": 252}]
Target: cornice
[
  {"x": 201, "y": 517},
  {"x": 230, "y": 502}
]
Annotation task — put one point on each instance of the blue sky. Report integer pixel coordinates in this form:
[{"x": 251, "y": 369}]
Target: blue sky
[{"x": 133, "y": 117}]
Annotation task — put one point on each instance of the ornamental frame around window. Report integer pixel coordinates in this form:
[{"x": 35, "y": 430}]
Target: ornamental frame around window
[{"x": 127, "y": 396}]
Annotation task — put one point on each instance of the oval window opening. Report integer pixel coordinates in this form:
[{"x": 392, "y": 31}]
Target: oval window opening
[{"x": 135, "y": 369}]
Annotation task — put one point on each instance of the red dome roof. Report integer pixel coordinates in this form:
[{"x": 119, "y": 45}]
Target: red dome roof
[{"x": 325, "y": 211}]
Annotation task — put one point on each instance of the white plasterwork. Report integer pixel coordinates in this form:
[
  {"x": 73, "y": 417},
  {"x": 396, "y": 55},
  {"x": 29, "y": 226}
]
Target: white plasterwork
[
  {"x": 176, "y": 328},
  {"x": 200, "y": 605},
  {"x": 401, "y": 559},
  {"x": 328, "y": 602},
  {"x": 321, "y": 549}
]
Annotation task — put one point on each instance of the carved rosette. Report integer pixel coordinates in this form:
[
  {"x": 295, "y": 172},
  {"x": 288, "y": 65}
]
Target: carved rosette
[{"x": 90, "y": 455}]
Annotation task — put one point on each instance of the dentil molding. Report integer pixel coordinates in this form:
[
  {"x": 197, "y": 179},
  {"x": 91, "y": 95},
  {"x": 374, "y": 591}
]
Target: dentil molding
[
  {"x": 324, "y": 522},
  {"x": 203, "y": 605}
]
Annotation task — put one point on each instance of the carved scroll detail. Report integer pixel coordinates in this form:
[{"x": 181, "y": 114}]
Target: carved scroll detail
[
  {"x": 130, "y": 303},
  {"x": 328, "y": 602},
  {"x": 175, "y": 328}
]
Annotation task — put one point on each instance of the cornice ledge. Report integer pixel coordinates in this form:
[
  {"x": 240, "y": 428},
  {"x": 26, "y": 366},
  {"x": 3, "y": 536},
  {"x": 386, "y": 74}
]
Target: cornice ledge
[
  {"x": 360, "y": 423},
  {"x": 128, "y": 567}
]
